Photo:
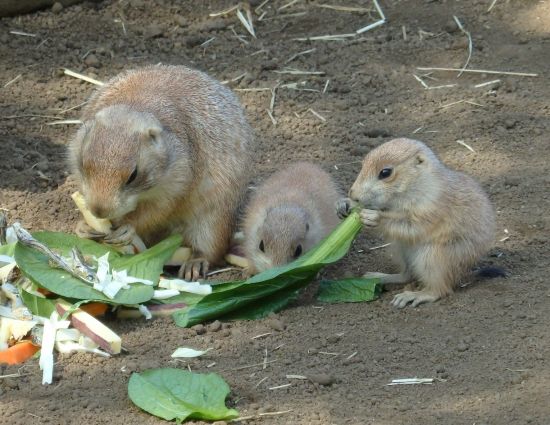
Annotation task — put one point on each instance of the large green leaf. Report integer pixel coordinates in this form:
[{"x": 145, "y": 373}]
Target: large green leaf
[
  {"x": 38, "y": 306},
  {"x": 178, "y": 394},
  {"x": 239, "y": 297},
  {"x": 271, "y": 304},
  {"x": 350, "y": 290},
  {"x": 146, "y": 265},
  {"x": 7, "y": 249}
]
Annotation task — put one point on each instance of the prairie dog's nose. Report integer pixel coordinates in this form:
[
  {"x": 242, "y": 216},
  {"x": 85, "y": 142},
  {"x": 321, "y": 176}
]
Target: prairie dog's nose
[{"x": 352, "y": 194}]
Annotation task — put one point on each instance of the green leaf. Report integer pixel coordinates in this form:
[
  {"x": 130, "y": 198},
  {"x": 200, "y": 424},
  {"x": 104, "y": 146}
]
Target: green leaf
[
  {"x": 178, "y": 394},
  {"x": 43, "y": 307},
  {"x": 7, "y": 249},
  {"x": 149, "y": 263},
  {"x": 350, "y": 290},
  {"x": 273, "y": 285},
  {"x": 271, "y": 304},
  {"x": 145, "y": 265}
]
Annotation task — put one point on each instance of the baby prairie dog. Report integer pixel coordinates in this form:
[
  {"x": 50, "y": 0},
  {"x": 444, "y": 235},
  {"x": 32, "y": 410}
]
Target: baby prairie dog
[
  {"x": 164, "y": 150},
  {"x": 439, "y": 221},
  {"x": 289, "y": 213}
]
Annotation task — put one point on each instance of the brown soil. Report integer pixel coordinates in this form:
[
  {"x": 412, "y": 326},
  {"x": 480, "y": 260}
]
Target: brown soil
[{"x": 488, "y": 345}]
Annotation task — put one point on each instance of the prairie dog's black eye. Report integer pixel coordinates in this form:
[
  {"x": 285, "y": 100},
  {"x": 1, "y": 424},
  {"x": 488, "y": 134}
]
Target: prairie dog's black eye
[
  {"x": 307, "y": 227},
  {"x": 262, "y": 248},
  {"x": 298, "y": 251},
  {"x": 132, "y": 176},
  {"x": 385, "y": 173}
]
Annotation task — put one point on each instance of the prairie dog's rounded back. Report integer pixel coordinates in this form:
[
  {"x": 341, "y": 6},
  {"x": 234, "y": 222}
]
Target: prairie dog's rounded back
[
  {"x": 288, "y": 214},
  {"x": 165, "y": 148}
]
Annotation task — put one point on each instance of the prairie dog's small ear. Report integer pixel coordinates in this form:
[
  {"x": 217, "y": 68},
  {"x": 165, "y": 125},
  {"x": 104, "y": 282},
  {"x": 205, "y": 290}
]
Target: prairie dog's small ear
[
  {"x": 150, "y": 133},
  {"x": 154, "y": 132},
  {"x": 420, "y": 159}
]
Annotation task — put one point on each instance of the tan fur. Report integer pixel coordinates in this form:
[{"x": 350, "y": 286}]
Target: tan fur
[
  {"x": 294, "y": 206},
  {"x": 439, "y": 221},
  {"x": 187, "y": 135}
]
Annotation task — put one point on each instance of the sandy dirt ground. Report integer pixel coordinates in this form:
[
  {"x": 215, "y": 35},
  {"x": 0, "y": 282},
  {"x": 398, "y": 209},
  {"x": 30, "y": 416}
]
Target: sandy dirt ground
[{"x": 488, "y": 345}]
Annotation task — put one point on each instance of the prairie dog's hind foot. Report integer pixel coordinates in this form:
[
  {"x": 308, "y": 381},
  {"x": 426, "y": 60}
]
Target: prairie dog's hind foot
[
  {"x": 415, "y": 298},
  {"x": 193, "y": 269}
]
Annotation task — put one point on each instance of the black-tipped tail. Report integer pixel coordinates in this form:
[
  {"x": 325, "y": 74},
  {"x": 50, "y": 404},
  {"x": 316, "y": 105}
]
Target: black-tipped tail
[{"x": 490, "y": 272}]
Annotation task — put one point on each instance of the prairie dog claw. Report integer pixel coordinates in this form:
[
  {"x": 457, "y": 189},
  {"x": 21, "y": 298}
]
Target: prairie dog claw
[
  {"x": 121, "y": 236},
  {"x": 343, "y": 207},
  {"x": 83, "y": 230},
  {"x": 415, "y": 298},
  {"x": 193, "y": 269}
]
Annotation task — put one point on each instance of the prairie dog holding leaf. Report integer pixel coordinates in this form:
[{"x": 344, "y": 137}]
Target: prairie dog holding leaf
[
  {"x": 439, "y": 221},
  {"x": 288, "y": 214},
  {"x": 164, "y": 150}
]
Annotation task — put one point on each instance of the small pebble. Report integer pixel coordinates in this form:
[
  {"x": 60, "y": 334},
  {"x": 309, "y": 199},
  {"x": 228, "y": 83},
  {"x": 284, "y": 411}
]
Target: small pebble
[
  {"x": 194, "y": 40},
  {"x": 199, "y": 329},
  {"x": 440, "y": 369},
  {"x": 509, "y": 124},
  {"x": 333, "y": 339},
  {"x": 516, "y": 380},
  {"x": 322, "y": 379},
  {"x": 215, "y": 326},
  {"x": 276, "y": 324},
  {"x": 154, "y": 31},
  {"x": 11, "y": 383},
  {"x": 180, "y": 20},
  {"x": 57, "y": 7},
  {"x": 451, "y": 26},
  {"x": 92, "y": 60},
  {"x": 462, "y": 346}
]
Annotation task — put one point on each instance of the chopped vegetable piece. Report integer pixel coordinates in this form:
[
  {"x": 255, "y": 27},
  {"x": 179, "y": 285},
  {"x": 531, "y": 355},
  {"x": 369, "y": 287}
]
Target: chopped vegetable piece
[
  {"x": 48, "y": 341},
  {"x": 179, "y": 257},
  {"x": 91, "y": 327},
  {"x": 189, "y": 352},
  {"x": 184, "y": 286},
  {"x": 18, "y": 353},
  {"x": 95, "y": 309},
  {"x": 237, "y": 260}
]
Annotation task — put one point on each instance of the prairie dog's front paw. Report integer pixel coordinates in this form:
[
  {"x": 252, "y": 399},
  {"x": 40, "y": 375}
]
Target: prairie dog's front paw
[
  {"x": 83, "y": 230},
  {"x": 343, "y": 207},
  {"x": 121, "y": 236},
  {"x": 370, "y": 218}
]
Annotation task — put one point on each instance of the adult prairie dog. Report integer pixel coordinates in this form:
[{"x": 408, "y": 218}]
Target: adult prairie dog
[
  {"x": 288, "y": 214},
  {"x": 163, "y": 150},
  {"x": 439, "y": 221}
]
